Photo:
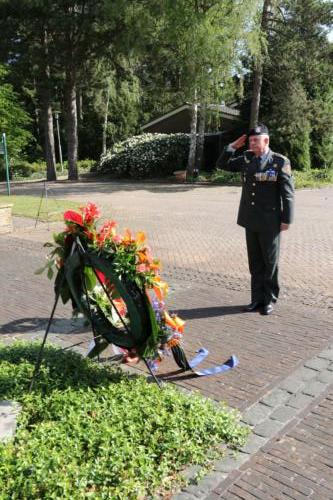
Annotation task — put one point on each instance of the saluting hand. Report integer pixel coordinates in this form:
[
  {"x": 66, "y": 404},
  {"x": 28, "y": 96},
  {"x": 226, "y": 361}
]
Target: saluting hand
[{"x": 240, "y": 142}]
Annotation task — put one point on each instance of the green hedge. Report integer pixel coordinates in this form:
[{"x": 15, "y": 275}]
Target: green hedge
[
  {"x": 146, "y": 155},
  {"x": 88, "y": 431},
  {"x": 37, "y": 170}
]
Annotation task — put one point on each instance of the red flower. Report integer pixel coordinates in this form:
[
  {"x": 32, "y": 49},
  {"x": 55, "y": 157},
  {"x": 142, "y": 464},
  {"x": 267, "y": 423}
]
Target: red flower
[
  {"x": 89, "y": 235},
  {"x": 72, "y": 216},
  {"x": 106, "y": 231},
  {"x": 91, "y": 212},
  {"x": 101, "y": 276}
]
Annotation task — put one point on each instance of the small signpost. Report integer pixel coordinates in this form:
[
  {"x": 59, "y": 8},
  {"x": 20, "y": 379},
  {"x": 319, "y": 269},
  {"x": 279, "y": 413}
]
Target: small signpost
[{"x": 3, "y": 151}]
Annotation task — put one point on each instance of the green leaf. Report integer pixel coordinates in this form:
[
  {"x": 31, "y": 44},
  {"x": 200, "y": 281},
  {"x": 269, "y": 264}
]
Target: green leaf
[
  {"x": 90, "y": 277},
  {"x": 50, "y": 273},
  {"x": 41, "y": 269}
]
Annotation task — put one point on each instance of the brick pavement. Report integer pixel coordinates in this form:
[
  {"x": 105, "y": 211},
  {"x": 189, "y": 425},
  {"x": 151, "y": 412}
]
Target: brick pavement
[
  {"x": 194, "y": 229},
  {"x": 194, "y": 233},
  {"x": 295, "y": 464}
]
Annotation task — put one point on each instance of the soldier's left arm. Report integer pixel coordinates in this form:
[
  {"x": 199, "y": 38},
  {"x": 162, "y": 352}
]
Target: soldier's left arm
[{"x": 287, "y": 191}]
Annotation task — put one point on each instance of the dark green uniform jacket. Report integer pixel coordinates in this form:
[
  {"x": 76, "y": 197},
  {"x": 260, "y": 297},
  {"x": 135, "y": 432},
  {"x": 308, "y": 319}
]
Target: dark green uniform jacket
[{"x": 267, "y": 190}]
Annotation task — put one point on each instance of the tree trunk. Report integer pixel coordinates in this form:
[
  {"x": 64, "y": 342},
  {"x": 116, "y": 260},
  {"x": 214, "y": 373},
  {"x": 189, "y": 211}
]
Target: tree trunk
[
  {"x": 259, "y": 69},
  {"x": 79, "y": 106},
  {"x": 71, "y": 118},
  {"x": 193, "y": 141},
  {"x": 201, "y": 138},
  {"x": 46, "y": 112},
  {"x": 105, "y": 124}
]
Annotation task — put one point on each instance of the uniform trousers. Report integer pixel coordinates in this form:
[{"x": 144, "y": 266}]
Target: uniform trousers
[{"x": 263, "y": 250}]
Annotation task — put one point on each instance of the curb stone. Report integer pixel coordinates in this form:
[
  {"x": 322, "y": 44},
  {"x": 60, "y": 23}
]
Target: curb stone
[{"x": 9, "y": 411}]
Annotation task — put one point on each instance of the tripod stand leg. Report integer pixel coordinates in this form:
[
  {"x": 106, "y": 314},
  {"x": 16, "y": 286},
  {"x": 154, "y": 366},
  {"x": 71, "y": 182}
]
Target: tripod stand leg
[
  {"x": 39, "y": 358},
  {"x": 47, "y": 207},
  {"x": 40, "y": 206},
  {"x": 40, "y": 354},
  {"x": 158, "y": 382}
]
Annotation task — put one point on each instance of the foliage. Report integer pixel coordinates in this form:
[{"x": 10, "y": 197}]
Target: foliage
[
  {"x": 314, "y": 178},
  {"x": 28, "y": 206},
  {"x": 37, "y": 170},
  {"x": 24, "y": 169},
  {"x": 297, "y": 90},
  {"x": 115, "y": 94},
  {"x": 14, "y": 121},
  {"x": 222, "y": 177},
  {"x": 88, "y": 430},
  {"x": 146, "y": 155}
]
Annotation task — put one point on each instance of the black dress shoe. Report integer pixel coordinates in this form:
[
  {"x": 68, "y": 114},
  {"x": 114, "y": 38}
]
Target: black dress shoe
[
  {"x": 267, "y": 309},
  {"x": 253, "y": 306}
]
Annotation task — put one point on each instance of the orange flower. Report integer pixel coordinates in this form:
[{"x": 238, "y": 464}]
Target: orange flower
[
  {"x": 142, "y": 257},
  {"x": 180, "y": 323},
  {"x": 154, "y": 266},
  {"x": 160, "y": 288},
  {"x": 140, "y": 238},
  {"x": 120, "y": 306},
  {"x": 173, "y": 342},
  {"x": 127, "y": 238},
  {"x": 174, "y": 321}
]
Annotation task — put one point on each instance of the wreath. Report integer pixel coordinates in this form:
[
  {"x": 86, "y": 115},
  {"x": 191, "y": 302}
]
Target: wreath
[{"x": 115, "y": 282}]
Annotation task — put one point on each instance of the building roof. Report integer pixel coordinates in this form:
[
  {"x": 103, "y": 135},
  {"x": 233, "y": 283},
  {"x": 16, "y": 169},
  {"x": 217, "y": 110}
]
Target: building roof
[{"x": 179, "y": 119}]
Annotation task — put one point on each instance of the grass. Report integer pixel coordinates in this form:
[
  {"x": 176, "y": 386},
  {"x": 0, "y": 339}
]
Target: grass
[
  {"x": 28, "y": 206},
  {"x": 89, "y": 431}
]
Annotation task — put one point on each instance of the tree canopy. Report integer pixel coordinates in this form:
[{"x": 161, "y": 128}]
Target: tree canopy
[{"x": 110, "y": 66}]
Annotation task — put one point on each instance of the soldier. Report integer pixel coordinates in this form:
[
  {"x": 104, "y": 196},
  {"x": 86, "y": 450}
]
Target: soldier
[{"x": 266, "y": 209}]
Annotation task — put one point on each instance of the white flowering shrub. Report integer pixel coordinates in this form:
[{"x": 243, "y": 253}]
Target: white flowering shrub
[{"x": 146, "y": 155}]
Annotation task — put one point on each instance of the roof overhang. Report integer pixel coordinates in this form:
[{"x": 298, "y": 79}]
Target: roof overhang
[{"x": 178, "y": 120}]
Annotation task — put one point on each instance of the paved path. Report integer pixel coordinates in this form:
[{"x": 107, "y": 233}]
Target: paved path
[{"x": 194, "y": 233}]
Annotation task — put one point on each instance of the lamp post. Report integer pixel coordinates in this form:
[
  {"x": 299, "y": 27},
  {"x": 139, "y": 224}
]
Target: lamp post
[
  {"x": 56, "y": 116},
  {"x": 3, "y": 151}
]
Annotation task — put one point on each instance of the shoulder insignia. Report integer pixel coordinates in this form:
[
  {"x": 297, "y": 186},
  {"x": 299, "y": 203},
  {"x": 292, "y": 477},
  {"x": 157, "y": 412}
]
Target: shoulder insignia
[
  {"x": 281, "y": 156},
  {"x": 286, "y": 169}
]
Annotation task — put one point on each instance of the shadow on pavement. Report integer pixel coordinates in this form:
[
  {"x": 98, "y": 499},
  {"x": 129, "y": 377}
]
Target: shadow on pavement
[
  {"x": 209, "y": 312},
  {"x": 68, "y": 188},
  {"x": 26, "y": 325}
]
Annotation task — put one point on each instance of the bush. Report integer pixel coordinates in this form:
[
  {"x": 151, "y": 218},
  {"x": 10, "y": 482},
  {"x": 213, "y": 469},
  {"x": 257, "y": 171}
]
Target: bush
[
  {"x": 24, "y": 169},
  {"x": 37, "y": 170},
  {"x": 146, "y": 155},
  {"x": 89, "y": 431},
  {"x": 316, "y": 177},
  {"x": 223, "y": 177},
  {"x": 85, "y": 165}
]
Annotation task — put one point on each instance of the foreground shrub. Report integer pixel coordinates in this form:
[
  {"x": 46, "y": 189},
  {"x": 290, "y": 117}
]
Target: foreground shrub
[
  {"x": 146, "y": 155},
  {"x": 37, "y": 169},
  {"x": 313, "y": 178},
  {"x": 87, "y": 431},
  {"x": 24, "y": 169},
  {"x": 223, "y": 177}
]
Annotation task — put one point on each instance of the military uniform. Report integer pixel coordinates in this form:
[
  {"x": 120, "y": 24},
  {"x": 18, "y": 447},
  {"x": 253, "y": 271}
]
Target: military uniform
[{"x": 267, "y": 200}]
